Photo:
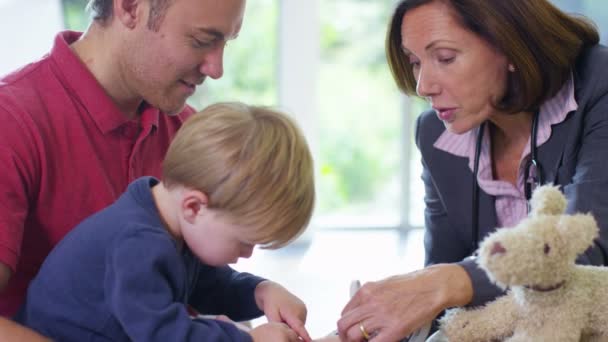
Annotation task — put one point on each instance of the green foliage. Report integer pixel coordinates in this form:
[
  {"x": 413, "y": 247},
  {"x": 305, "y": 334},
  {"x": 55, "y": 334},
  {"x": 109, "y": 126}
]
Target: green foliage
[
  {"x": 74, "y": 14},
  {"x": 250, "y": 60},
  {"x": 359, "y": 114}
]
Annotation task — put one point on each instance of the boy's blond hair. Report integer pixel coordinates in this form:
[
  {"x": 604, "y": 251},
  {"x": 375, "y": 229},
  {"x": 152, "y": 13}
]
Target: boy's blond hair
[{"x": 254, "y": 165}]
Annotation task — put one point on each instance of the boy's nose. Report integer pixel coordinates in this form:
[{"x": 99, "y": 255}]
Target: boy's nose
[{"x": 246, "y": 252}]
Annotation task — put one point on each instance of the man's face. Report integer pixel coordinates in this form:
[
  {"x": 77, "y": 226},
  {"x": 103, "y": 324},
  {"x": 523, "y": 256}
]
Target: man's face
[{"x": 165, "y": 65}]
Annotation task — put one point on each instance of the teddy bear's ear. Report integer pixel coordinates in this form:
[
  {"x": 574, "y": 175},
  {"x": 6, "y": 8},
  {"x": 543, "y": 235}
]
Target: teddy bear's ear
[
  {"x": 578, "y": 231},
  {"x": 547, "y": 200}
]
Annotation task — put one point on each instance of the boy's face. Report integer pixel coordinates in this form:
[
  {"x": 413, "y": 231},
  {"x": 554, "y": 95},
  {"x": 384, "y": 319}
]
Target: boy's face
[{"x": 214, "y": 239}]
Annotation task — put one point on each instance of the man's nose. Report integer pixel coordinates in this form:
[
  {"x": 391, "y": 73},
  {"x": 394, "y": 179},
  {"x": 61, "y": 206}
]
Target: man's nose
[{"x": 213, "y": 63}]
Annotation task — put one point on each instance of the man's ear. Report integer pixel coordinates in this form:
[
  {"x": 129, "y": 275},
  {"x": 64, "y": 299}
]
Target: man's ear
[
  {"x": 129, "y": 12},
  {"x": 192, "y": 203}
]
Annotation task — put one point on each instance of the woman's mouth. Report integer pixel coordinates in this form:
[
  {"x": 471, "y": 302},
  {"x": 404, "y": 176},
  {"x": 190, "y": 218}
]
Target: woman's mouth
[{"x": 446, "y": 114}]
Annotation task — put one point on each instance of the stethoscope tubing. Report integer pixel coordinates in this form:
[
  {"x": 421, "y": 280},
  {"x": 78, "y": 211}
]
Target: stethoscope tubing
[{"x": 533, "y": 162}]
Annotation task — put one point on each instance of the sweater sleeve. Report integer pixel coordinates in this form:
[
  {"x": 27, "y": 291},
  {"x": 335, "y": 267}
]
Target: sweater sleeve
[
  {"x": 144, "y": 282},
  {"x": 222, "y": 290}
]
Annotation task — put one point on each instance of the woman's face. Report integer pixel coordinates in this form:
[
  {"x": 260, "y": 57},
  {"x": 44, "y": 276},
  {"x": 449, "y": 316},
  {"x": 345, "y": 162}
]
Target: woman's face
[{"x": 459, "y": 73}]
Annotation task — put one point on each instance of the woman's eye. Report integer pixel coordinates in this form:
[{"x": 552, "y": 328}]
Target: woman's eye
[
  {"x": 414, "y": 62},
  {"x": 446, "y": 60}
]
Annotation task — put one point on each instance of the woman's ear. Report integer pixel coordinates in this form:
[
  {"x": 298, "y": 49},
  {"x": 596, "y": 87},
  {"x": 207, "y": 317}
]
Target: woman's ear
[{"x": 191, "y": 204}]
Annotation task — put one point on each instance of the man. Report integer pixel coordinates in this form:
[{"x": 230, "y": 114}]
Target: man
[{"x": 96, "y": 113}]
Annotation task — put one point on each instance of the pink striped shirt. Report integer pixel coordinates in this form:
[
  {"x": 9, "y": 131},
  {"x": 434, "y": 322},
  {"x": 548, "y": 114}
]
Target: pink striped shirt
[{"x": 511, "y": 204}]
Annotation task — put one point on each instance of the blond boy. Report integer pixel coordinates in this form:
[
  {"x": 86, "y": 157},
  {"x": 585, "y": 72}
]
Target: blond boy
[{"x": 235, "y": 176}]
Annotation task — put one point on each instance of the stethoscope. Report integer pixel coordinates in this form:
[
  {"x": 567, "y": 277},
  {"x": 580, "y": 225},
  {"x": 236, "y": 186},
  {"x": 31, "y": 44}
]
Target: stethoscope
[{"x": 534, "y": 173}]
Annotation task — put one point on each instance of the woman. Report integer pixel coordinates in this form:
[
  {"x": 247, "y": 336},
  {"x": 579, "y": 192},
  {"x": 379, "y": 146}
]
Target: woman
[{"x": 518, "y": 91}]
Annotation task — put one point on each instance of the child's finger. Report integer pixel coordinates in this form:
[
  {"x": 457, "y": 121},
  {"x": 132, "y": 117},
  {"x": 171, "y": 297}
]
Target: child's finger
[{"x": 298, "y": 326}]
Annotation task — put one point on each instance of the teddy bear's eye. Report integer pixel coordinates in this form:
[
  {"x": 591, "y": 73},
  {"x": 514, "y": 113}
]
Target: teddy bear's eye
[{"x": 547, "y": 248}]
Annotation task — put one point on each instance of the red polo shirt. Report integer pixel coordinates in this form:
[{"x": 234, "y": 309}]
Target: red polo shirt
[{"x": 66, "y": 151}]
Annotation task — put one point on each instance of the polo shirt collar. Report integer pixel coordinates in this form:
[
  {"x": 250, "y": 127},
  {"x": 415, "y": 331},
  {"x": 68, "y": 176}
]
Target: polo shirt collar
[{"x": 87, "y": 90}]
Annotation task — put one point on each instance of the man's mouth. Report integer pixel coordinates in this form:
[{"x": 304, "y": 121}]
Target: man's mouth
[{"x": 188, "y": 84}]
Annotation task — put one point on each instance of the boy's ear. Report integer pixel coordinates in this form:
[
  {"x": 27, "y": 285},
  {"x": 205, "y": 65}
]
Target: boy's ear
[
  {"x": 129, "y": 12},
  {"x": 192, "y": 203}
]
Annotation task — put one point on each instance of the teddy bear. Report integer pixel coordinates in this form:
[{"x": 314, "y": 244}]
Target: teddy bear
[{"x": 549, "y": 297}]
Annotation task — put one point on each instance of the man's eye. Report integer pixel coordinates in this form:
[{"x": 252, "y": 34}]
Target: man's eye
[{"x": 201, "y": 43}]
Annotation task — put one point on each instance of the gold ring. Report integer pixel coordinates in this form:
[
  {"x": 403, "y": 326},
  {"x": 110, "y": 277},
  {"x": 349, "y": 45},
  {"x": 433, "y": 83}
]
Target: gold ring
[{"x": 364, "y": 332}]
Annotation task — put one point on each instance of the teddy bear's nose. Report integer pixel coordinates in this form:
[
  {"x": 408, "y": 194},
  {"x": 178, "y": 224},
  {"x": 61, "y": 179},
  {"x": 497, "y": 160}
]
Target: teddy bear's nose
[{"x": 497, "y": 248}]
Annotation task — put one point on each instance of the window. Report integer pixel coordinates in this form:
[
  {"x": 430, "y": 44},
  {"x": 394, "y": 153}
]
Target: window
[
  {"x": 359, "y": 119},
  {"x": 25, "y": 40},
  {"x": 249, "y": 65},
  {"x": 368, "y": 167},
  {"x": 593, "y": 9},
  {"x": 74, "y": 15}
]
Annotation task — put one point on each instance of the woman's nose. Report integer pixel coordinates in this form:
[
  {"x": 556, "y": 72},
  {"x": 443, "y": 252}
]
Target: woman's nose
[{"x": 426, "y": 85}]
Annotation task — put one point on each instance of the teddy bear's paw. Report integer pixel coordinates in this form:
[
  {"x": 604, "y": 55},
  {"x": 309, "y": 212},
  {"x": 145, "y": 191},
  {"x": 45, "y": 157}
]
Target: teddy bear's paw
[{"x": 456, "y": 324}]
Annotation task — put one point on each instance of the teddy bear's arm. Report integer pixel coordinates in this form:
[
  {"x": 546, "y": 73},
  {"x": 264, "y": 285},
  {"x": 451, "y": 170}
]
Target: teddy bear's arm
[
  {"x": 495, "y": 320},
  {"x": 598, "y": 306}
]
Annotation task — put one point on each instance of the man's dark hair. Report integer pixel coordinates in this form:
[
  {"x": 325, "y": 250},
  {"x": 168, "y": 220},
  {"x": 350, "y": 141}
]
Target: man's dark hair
[{"x": 101, "y": 10}]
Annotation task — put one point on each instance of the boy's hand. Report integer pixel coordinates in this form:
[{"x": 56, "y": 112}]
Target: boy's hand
[
  {"x": 274, "y": 331},
  {"x": 279, "y": 305},
  {"x": 237, "y": 324}
]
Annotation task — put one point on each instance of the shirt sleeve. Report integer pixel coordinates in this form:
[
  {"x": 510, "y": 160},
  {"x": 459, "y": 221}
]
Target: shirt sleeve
[
  {"x": 143, "y": 284},
  {"x": 20, "y": 165},
  {"x": 222, "y": 290}
]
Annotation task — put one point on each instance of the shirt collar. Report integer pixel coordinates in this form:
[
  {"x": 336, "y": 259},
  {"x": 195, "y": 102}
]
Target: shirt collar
[
  {"x": 552, "y": 112},
  {"x": 86, "y": 89}
]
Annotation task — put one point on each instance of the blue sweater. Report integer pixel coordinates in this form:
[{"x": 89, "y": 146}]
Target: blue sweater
[{"x": 119, "y": 276}]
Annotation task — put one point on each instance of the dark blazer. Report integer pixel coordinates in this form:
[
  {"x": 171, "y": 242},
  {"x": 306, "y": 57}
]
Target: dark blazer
[{"x": 575, "y": 157}]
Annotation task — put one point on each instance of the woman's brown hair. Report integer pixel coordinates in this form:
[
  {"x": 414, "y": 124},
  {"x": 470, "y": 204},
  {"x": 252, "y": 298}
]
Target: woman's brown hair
[{"x": 538, "y": 39}]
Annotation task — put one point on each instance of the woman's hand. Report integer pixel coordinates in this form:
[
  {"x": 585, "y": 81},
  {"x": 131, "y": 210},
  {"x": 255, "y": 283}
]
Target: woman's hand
[
  {"x": 393, "y": 308},
  {"x": 280, "y": 305}
]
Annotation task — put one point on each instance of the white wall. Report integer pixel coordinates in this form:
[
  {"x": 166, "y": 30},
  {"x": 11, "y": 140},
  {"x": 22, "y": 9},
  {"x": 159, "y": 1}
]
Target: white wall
[
  {"x": 298, "y": 62},
  {"x": 27, "y": 29}
]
